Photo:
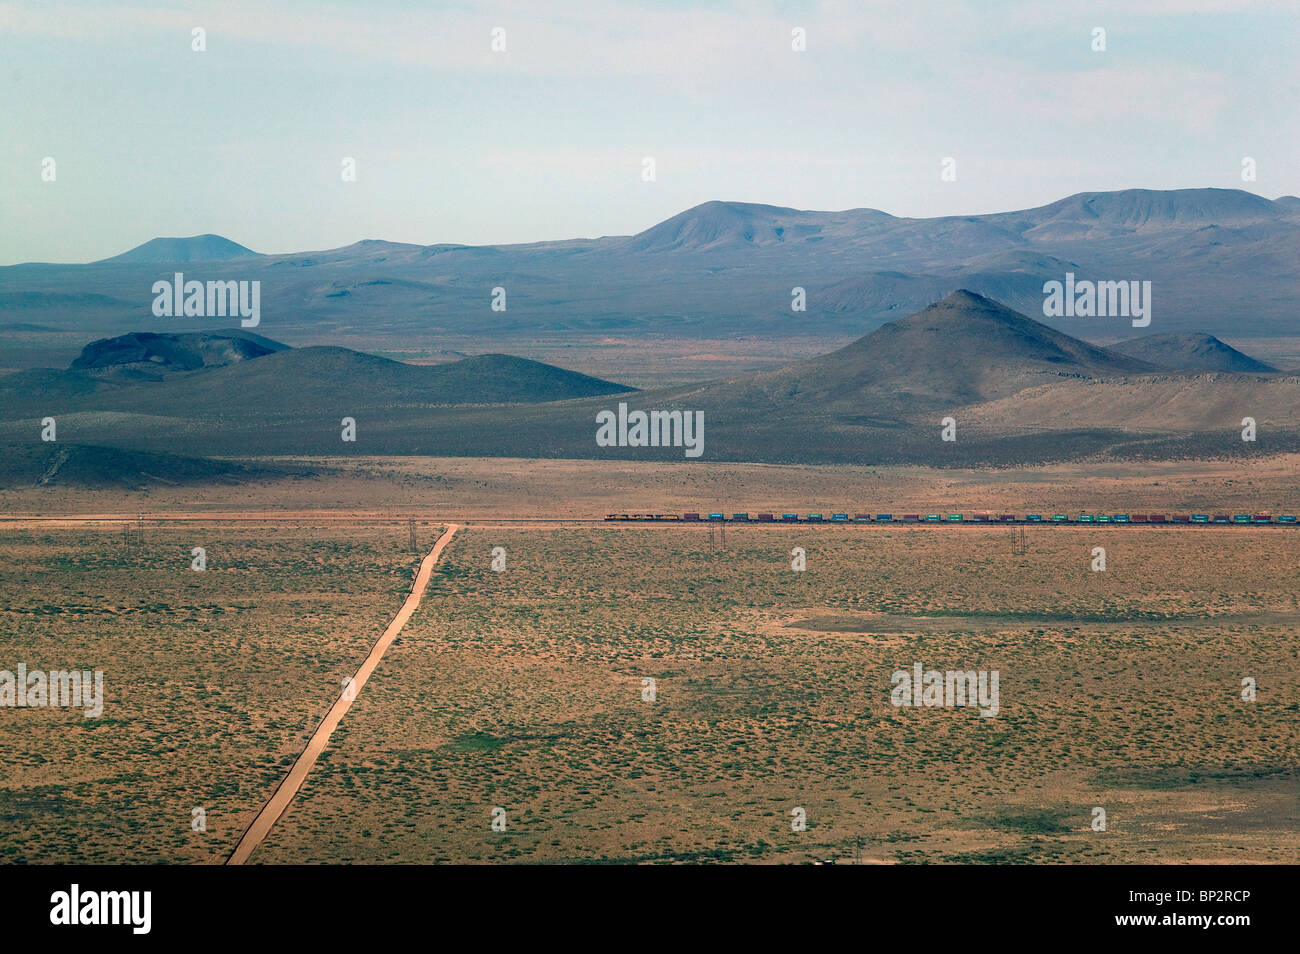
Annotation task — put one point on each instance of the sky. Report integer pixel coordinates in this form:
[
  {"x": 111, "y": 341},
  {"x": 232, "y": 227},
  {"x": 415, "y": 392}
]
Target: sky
[{"x": 456, "y": 142}]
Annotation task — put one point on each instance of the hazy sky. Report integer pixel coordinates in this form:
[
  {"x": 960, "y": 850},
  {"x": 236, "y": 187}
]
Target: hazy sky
[{"x": 456, "y": 143}]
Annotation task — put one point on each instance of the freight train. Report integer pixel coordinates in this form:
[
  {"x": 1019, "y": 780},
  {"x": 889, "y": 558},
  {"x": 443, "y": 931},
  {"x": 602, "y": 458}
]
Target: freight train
[{"x": 1235, "y": 519}]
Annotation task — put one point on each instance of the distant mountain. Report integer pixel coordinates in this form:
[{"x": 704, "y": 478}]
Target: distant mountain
[
  {"x": 196, "y": 248},
  {"x": 1288, "y": 203},
  {"x": 1190, "y": 352},
  {"x": 187, "y": 351},
  {"x": 1107, "y": 214},
  {"x": 1221, "y": 261},
  {"x": 963, "y": 349},
  {"x": 717, "y": 225}
]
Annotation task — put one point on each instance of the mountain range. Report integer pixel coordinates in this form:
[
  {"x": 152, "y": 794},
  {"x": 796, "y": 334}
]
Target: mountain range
[{"x": 1221, "y": 261}]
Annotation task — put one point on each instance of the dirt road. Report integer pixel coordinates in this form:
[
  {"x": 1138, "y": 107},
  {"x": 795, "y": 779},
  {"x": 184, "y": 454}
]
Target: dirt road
[{"x": 279, "y": 802}]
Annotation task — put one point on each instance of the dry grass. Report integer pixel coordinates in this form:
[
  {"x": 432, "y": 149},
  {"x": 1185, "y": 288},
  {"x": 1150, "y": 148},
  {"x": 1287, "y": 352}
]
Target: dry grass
[
  {"x": 1118, "y": 689},
  {"x": 212, "y": 680}
]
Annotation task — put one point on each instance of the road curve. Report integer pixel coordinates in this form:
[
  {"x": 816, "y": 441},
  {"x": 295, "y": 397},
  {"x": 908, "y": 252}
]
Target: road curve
[{"x": 288, "y": 788}]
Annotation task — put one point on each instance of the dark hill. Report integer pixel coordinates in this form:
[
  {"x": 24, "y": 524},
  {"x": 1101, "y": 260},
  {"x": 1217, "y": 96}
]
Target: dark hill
[
  {"x": 311, "y": 383},
  {"x": 303, "y": 376},
  {"x": 963, "y": 349},
  {"x": 1190, "y": 352},
  {"x": 61, "y": 464},
  {"x": 187, "y": 351}
]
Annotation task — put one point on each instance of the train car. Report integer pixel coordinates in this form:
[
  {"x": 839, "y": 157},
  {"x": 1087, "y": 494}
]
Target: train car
[
  {"x": 1008, "y": 518},
  {"x": 1180, "y": 518},
  {"x": 1286, "y": 518},
  {"x": 1060, "y": 518},
  {"x": 1200, "y": 518},
  {"x": 1138, "y": 518},
  {"x": 814, "y": 518},
  {"x": 690, "y": 516},
  {"x": 717, "y": 516},
  {"x": 955, "y": 518},
  {"x": 933, "y": 517},
  {"x": 1156, "y": 518},
  {"x": 740, "y": 517},
  {"x": 980, "y": 517},
  {"x": 1241, "y": 518},
  {"x": 611, "y": 516},
  {"x": 839, "y": 518},
  {"x": 1221, "y": 518},
  {"x": 789, "y": 518},
  {"x": 1121, "y": 518},
  {"x": 1087, "y": 518},
  {"x": 765, "y": 518},
  {"x": 862, "y": 518},
  {"x": 884, "y": 518},
  {"x": 670, "y": 516},
  {"x": 1262, "y": 518},
  {"x": 1033, "y": 518},
  {"x": 911, "y": 518}
]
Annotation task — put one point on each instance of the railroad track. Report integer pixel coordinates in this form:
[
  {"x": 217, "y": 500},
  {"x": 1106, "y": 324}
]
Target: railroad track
[{"x": 969, "y": 520}]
